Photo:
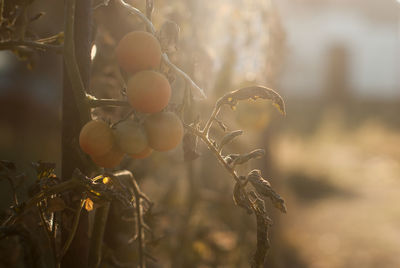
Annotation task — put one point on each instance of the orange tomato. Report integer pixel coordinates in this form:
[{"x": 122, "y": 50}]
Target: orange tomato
[
  {"x": 164, "y": 131},
  {"x": 138, "y": 51},
  {"x": 110, "y": 160},
  {"x": 148, "y": 91},
  {"x": 96, "y": 138},
  {"x": 143, "y": 154},
  {"x": 130, "y": 137}
]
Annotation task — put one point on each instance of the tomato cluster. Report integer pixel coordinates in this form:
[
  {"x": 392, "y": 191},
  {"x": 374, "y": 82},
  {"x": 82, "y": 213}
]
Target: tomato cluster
[{"x": 148, "y": 91}]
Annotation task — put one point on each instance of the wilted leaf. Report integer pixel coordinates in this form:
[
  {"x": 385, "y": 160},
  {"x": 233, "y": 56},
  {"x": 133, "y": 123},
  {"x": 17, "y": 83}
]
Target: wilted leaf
[
  {"x": 229, "y": 137},
  {"x": 189, "y": 146},
  {"x": 44, "y": 169},
  {"x": 263, "y": 187},
  {"x": 240, "y": 199},
  {"x": 89, "y": 204},
  {"x": 239, "y": 159},
  {"x": 254, "y": 92}
]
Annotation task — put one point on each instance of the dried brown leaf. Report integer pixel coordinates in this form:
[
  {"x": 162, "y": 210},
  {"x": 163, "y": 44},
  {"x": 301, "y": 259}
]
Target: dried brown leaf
[
  {"x": 263, "y": 187},
  {"x": 229, "y": 137},
  {"x": 89, "y": 204},
  {"x": 254, "y": 92},
  {"x": 240, "y": 199},
  {"x": 189, "y": 146},
  {"x": 239, "y": 159}
]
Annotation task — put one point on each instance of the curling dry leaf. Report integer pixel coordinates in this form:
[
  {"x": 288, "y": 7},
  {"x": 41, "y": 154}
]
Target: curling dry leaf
[
  {"x": 263, "y": 187},
  {"x": 229, "y": 137},
  {"x": 239, "y": 159},
  {"x": 189, "y": 146},
  {"x": 254, "y": 92},
  {"x": 240, "y": 199}
]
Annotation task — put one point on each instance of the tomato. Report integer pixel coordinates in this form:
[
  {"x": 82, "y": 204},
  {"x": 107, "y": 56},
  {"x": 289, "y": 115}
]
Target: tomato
[
  {"x": 96, "y": 138},
  {"x": 164, "y": 131},
  {"x": 130, "y": 137},
  {"x": 143, "y": 154},
  {"x": 148, "y": 91},
  {"x": 109, "y": 160},
  {"x": 138, "y": 51}
]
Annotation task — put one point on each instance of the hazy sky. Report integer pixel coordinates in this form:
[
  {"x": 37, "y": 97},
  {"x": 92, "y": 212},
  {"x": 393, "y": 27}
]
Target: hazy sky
[{"x": 371, "y": 40}]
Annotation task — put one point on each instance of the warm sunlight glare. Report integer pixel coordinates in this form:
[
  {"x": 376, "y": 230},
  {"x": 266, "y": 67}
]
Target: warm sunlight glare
[{"x": 93, "y": 52}]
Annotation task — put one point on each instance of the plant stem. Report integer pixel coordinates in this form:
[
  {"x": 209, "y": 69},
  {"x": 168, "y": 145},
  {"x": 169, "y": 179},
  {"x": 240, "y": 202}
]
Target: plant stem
[
  {"x": 96, "y": 241},
  {"x": 213, "y": 149},
  {"x": 6, "y": 45},
  {"x": 78, "y": 88},
  {"x": 49, "y": 234},
  {"x": 72, "y": 233},
  {"x": 106, "y": 102},
  {"x": 138, "y": 207},
  {"x": 211, "y": 120}
]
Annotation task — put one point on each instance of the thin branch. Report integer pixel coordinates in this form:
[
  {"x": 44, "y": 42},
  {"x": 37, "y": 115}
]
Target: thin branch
[
  {"x": 96, "y": 240},
  {"x": 149, "y": 8},
  {"x": 165, "y": 58},
  {"x": 212, "y": 148},
  {"x": 124, "y": 118},
  {"x": 71, "y": 65},
  {"x": 71, "y": 234},
  {"x": 49, "y": 234},
  {"x": 211, "y": 120},
  {"x": 138, "y": 207},
  {"x": 62, "y": 187},
  {"x": 137, "y": 12},
  {"x": 93, "y": 103},
  {"x": 184, "y": 75},
  {"x": 101, "y": 4},
  {"x": 53, "y": 38},
  {"x": 7, "y": 45},
  {"x": 262, "y": 223}
]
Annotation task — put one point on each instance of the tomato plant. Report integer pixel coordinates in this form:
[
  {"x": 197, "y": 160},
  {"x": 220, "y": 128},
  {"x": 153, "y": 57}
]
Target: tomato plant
[{"x": 95, "y": 186}]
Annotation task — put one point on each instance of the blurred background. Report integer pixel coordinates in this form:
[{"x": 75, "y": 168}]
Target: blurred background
[{"x": 335, "y": 157}]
